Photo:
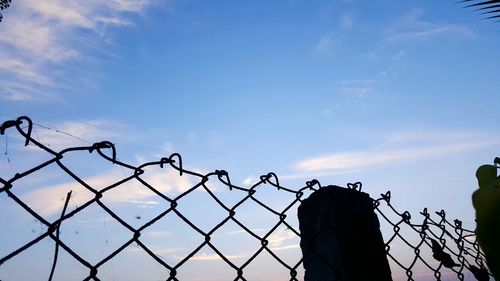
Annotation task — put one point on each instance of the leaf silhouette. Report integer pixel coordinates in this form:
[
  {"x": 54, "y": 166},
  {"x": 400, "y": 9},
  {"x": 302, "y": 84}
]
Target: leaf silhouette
[
  {"x": 4, "y": 4},
  {"x": 488, "y": 8}
]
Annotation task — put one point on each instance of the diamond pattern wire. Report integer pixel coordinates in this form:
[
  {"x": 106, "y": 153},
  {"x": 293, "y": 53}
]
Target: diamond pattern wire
[{"x": 436, "y": 235}]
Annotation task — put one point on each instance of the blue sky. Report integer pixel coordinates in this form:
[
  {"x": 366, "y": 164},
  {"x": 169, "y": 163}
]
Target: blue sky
[{"x": 402, "y": 96}]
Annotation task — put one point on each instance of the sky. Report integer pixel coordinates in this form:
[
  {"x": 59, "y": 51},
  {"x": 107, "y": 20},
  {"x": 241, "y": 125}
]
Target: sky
[{"x": 399, "y": 95}]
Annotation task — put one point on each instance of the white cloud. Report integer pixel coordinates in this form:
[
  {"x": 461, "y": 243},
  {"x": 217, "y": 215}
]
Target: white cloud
[
  {"x": 241, "y": 231},
  {"x": 22, "y": 70},
  {"x": 346, "y": 21},
  {"x": 280, "y": 237},
  {"x": 214, "y": 257},
  {"x": 324, "y": 45},
  {"x": 249, "y": 181},
  {"x": 168, "y": 181},
  {"x": 287, "y": 247},
  {"x": 143, "y": 202},
  {"x": 359, "y": 87},
  {"x": 49, "y": 200},
  {"x": 410, "y": 147},
  {"x": 73, "y": 133},
  {"x": 167, "y": 147},
  {"x": 431, "y": 31},
  {"x": 283, "y": 239},
  {"x": 41, "y": 42},
  {"x": 40, "y": 35},
  {"x": 411, "y": 27}
]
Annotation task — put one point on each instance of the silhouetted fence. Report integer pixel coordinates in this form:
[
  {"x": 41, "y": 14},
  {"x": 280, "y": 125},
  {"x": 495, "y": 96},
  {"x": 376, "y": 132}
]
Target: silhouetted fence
[{"x": 434, "y": 247}]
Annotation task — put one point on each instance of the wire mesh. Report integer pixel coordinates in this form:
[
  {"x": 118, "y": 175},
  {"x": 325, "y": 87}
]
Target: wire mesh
[{"x": 436, "y": 249}]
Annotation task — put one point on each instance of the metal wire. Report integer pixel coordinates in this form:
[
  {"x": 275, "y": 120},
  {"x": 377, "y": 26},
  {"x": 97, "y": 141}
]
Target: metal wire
[{"x": 440, "y": 231}]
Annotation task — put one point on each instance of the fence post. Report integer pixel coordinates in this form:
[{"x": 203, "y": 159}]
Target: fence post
[{"x": 340, "y": 237}]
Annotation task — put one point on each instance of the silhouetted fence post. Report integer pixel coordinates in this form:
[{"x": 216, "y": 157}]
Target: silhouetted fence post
[{"x": 341, "y": 239}]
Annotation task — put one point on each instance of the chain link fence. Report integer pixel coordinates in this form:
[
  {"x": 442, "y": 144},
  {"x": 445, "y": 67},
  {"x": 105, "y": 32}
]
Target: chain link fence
[{"x": 432, "y": 249}]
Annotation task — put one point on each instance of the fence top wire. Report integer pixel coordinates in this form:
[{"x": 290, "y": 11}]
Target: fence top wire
[{"x": 454, "y": 249}]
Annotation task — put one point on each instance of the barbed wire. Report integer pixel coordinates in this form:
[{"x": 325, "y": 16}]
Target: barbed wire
[{"x": 453, "y": 248}]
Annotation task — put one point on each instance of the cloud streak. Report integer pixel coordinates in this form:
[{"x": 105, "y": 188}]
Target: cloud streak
[
  {"x": 81, "y": 132},
  {"x": 417, "y": 148},
  {"x": 279, "y": 237},
  {"x": 46, "y": 200},
  {"x": 411, "y": 27},
  {"x": 214, "y": 257},
  {"x": 359, "y": 87},
  {"x": 41, "y": 35},
  {"x": 324, "y": 46}
]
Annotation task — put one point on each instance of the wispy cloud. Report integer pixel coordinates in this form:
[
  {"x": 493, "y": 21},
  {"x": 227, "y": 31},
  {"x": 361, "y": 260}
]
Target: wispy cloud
[
  {"x": 85, "y": 132},
  {"x": 249, "y": 181},
  {"x": 143, "y": 202},
  {"x": 214, "y": 257},
  {"x": 346, "y": 21},
  {"x": 409, "y": 147},
  {"x": 47, "y": 200},
  {"x": 280, "y": 236},
  {"x": 353, "y": 91},
  {"x": 287, "y": 247},
  {"x": 41, "y": 35},
  {"x": 324, "y": 46},
  {"x": 411, "y": 27},
  {"x": 242, "y": 231},
  {"x": 359, "y": 87}
]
